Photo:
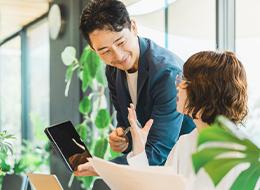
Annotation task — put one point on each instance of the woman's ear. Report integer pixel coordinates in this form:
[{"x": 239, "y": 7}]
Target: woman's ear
[{"x": 133, "y": 26}]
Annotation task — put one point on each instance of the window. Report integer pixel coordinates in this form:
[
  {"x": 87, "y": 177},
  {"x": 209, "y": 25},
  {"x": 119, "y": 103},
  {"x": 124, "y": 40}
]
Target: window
[
  {"x": 10, "y": 88},
  {"x": 247, "y": 48},
  {"x": 24, "y": 83},
  {"x": 38, "y": 78},
  {"x": 152, "y": 26},
  {"x": 192, "y": 27}
]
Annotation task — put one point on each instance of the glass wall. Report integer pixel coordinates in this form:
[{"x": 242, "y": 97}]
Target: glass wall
[
  {"x": 191, "y": 26},
  {"x": 10, "y": 88},
  {"x": 152, "y": 26},
  {"x": 247, "y": 48},
  {"x": 39, "y": 84},
  {"x": 34, "y": 56}
]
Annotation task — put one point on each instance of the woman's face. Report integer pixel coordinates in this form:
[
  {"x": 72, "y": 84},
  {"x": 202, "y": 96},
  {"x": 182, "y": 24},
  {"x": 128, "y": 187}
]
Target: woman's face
[{"x": 181, "y": 97}]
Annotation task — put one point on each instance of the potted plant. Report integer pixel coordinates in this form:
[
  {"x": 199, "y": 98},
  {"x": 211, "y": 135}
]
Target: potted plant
[
  {"x": 31, "y": 157},
  {"x": 97, "y": 119}
]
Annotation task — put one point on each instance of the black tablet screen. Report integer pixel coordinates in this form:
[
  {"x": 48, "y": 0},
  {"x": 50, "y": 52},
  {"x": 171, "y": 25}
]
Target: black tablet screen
[{"x": 67, "y": 142}]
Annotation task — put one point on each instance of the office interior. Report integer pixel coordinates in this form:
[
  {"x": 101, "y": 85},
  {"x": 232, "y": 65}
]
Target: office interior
[{"x": 32, "y": 74}]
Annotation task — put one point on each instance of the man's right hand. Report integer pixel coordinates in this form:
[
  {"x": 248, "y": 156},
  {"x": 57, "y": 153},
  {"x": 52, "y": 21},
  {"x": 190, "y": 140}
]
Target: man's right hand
[{"x": 117, "y": 141}]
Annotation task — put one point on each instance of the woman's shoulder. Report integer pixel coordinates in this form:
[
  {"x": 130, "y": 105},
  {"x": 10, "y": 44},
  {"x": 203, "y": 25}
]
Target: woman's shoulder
[
  {"x": 190, "y": 138},
  {"x": 183, "y": 148}
]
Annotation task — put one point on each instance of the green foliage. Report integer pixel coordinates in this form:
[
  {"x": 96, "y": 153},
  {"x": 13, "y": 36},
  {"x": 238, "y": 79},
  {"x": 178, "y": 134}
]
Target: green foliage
[
  {"x": 38, "y": 127},
  {"x": 209, "y": 157},
  {"x": 69, "y": 73},
  {"x": 101, "y": 147},
  {"x": 5, "y": 145},
  {"x": 103, "y": 119},
  {"x": 82, "y": 130},
  {"x": 94, "y": 128},
  {"x": 31, "y": 158},
  {"x": 4, "y": 166},
  {"x": 85, "y": 105}
]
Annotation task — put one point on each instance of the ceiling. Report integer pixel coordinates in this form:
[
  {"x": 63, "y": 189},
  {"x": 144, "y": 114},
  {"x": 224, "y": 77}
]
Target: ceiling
[{"x": 16, "y": 13}]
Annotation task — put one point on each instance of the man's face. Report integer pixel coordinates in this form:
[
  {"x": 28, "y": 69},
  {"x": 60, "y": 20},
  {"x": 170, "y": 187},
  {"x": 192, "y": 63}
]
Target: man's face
[{"x": 118, "y": 49}]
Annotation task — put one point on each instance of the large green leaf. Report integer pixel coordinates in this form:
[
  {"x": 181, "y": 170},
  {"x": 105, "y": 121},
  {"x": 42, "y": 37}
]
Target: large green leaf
[
  {"x": 209, "y": 157},
  {"x": 201, "y": 158},
  {"x": 247, "y": 179},
  {"x": 216, "y": 134},
  {"x": 85, "y": 105},
  {"x": 103, "y": 119},
  {"x": 218, "y": 168},
  {"x": 101, "y": 147}
]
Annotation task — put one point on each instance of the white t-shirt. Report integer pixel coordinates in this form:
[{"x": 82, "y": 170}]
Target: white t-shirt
[
  {"x": 132, "y": 85},
  {"x": 180, "y": 159}
]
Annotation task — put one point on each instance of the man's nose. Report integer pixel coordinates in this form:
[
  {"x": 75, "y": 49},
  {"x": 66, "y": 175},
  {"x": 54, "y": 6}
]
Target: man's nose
[{"x": 117, "y": 54}]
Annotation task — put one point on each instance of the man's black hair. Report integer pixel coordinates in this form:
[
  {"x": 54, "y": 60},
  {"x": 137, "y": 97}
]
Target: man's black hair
[{"x": 104, "y": 14}]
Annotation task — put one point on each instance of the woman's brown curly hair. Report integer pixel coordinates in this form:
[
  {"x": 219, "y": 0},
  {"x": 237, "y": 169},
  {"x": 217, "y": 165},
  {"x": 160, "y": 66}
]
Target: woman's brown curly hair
[{"x": 217, "y": 86}]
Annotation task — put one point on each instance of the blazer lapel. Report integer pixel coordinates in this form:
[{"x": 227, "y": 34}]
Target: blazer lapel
[
  {"x": 142, "y": 67},
  {"x": 122, "y": 92}
]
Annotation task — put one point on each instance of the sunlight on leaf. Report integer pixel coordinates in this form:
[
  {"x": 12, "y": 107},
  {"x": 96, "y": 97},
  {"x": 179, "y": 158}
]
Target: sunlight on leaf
[{"x": 68, "y": 56}]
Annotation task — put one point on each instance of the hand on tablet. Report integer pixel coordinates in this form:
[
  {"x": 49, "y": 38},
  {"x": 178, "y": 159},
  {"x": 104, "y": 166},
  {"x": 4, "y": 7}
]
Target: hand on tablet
[
  {"x": 85, "y": 169},
  {"x": 117, "y": 140}
]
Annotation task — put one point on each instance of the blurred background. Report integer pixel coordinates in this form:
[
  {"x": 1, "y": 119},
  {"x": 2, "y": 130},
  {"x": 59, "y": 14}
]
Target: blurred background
[{"x": 32, "y": 75}]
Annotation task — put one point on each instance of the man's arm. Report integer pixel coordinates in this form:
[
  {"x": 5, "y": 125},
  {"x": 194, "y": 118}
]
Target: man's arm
[
  {"x": 167, "y": 121},
  {"x": 114, "y": 138}
]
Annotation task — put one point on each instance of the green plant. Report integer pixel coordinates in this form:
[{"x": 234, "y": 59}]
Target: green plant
[
  {"x": 31, "y": 157},
  {"x": 94, "y": 128},
  {"x": 5, "y": 145},
  {"x": 217, "y": 167},
  {"x": 6, "y": 149}
]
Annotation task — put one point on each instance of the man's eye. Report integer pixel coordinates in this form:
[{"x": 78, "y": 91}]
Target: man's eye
[
  {"x": 106, "y": 52},
  {"x": 121, "y": 43}
]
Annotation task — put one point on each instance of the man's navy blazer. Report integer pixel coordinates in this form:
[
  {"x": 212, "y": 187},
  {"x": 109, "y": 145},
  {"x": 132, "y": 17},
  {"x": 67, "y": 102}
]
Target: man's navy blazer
[{"x": 156, "y": 99}]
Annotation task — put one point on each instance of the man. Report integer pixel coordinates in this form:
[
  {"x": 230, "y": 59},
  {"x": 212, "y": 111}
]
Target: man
[{"x": 138, "y": 71}]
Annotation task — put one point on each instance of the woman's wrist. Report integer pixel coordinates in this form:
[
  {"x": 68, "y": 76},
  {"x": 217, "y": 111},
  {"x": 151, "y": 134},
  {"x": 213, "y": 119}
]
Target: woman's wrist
[{"x": 138, "y": 150}]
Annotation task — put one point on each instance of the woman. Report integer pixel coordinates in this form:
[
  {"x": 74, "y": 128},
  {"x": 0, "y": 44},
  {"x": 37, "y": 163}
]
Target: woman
[{"x": 212, "y": 84}]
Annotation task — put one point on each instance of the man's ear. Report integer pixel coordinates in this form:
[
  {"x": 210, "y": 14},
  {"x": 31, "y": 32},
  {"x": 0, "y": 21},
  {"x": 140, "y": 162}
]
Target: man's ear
[{"x": 133, "y": 26}]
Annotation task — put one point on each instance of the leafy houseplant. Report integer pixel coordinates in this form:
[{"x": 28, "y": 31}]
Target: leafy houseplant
[
  {"x": 217, "y": 167},
  {"x": 32, "y": 157},
  {"x": 6, "y": 149},
  {"x": 93, "y": 106}
]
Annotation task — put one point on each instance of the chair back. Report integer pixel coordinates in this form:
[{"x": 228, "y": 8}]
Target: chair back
[
  {"x": 14, "y": 182},
  {"x": 99, "y": 184}
]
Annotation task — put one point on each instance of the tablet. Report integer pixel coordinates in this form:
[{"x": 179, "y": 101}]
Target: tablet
[{"x": 66, "y": 141}]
